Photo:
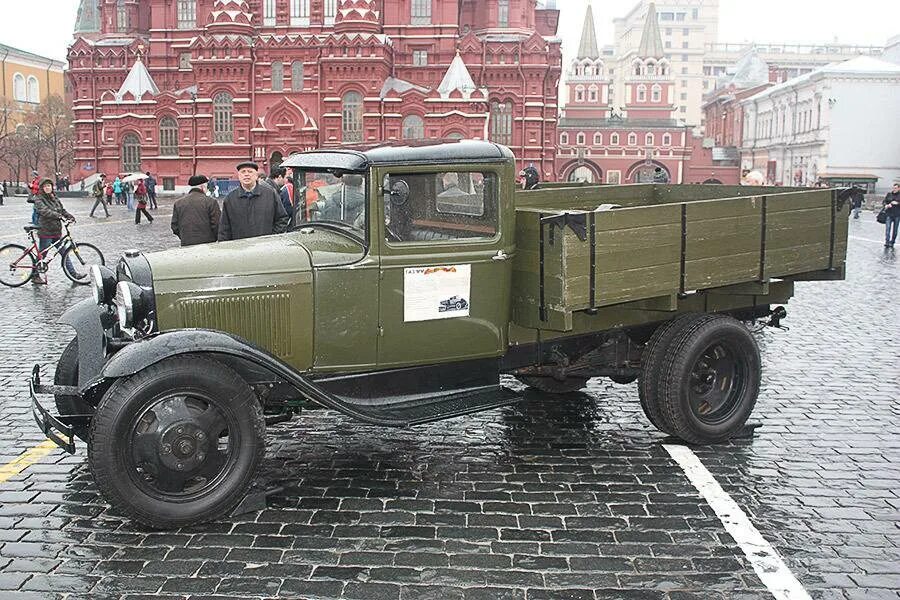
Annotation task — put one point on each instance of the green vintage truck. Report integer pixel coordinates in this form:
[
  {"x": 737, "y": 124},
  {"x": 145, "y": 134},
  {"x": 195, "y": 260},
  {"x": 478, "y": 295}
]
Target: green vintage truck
[{"x": 413, "y": 278}]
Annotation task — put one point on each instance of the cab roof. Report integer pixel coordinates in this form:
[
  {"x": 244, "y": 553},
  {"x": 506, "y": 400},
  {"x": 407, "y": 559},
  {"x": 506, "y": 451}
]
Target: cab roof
[{"x": 359, "y": 157}]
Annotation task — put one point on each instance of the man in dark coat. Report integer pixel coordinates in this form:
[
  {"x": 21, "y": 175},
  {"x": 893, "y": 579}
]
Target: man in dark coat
[
  {"x": 195, "y": 217},
  {"x": 251, "y": 209},
  {"x": 892, "y": 211}
]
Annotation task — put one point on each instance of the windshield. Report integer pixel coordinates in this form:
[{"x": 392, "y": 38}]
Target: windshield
[{"x": 337, "y": 198}]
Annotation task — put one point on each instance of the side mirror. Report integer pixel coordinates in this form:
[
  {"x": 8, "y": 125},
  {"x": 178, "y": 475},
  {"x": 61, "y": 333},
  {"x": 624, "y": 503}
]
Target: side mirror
[{"x": 397, "y": 191}]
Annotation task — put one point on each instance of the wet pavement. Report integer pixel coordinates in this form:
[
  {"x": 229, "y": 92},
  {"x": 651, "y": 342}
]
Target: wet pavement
[{"x": 556, "y": 497}]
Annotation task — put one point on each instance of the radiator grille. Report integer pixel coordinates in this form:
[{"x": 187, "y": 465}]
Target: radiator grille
[{"x": 264, "y": 319}]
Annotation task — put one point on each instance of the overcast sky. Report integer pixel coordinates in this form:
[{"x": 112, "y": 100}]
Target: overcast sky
[{"x": 45, "y": 26}]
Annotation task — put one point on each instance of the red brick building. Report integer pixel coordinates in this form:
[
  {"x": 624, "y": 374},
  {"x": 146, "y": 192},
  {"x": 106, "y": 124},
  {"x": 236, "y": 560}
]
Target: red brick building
[
  {"x": 598, "y": 144},
  {"x": 184, "y": 86}
]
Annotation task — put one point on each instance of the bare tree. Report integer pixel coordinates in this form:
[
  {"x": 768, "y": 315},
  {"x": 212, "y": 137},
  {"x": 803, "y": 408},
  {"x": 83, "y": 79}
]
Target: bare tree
[{"x": 52, "y": 124}]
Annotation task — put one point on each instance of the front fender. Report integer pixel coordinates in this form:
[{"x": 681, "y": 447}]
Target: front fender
[
  {"x": 151, "y": 350},
  {"x": 88, "y": 320}
]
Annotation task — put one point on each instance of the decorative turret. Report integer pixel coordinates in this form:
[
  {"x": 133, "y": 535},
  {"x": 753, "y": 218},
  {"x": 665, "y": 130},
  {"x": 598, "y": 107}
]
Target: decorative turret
[
  {"x": 649, "y": 85},
  {"x": 88, "y": 19},
  {"x": 458, "y": 82},
  {"x": 230, "y": 16},
  {"x": 355, "y": 16},
  {"x": 587, "y": 79},
  {"x": 137, "y": 83}
]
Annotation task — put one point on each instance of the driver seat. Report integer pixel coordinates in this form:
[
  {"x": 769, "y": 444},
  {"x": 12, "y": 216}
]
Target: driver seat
[{"x": 29, "y": 228}]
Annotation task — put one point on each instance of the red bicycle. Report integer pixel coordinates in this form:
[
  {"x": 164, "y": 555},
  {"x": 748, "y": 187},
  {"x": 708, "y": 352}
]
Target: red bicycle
[{"x": 19, "y": 264}]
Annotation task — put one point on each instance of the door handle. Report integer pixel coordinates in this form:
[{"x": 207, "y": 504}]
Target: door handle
[{"x": 501, "y": 255}]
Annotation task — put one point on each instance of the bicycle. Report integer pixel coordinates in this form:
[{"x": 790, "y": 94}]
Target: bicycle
[{"x": 19, "y": 264}]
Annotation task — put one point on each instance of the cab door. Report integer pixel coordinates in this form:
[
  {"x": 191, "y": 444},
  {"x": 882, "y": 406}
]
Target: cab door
[{"x": 446, "y": 243}]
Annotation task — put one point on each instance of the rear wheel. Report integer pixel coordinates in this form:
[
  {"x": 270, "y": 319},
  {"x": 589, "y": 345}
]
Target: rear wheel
[
  {"x": 77, "y": 261},
  {"x": 16, "y": 267},
  {"x": 67, "y": 374},
  {"x": 709, "y": 380},
  {"x": 552, "y": 385},
  {"x": 177, "y": 443}
]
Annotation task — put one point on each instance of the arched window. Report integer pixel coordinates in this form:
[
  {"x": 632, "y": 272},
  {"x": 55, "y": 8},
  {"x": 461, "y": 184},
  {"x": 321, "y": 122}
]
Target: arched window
[
  {"x": 455, "y": 136},
  {"x": 121, "y": 16},
  {"x": 564, "y": 138},
  {"x": 579, "y": 139},
  {"x": 642, "y": 93},
  {"x": 598, "y": 139},
  {"x": 579, "y": 93},
  {"x": 33, "y": 91},
  {"x": 667, "y": 139},
  {"x": 296, "y": 76},
  {"x": 501, "y": 122},
  {"x": 592, "y": 93},
  {"x": 413, "y": 128},
  {"x": 649, "y": 139},
  {"x": 632, "y": 139},
  {"x": 598, "y": 69},
  {"x": 352, "y": 117},
  {"x": 168, "y": 136},
  {"x": 503, "y": 13},
  {"x": 223, "y": 118},
  {"x": 187, "y": 14},
  {"x": 651, "y": 68},
  {"x": 582, "y": 174},
  {"x": 131, "y": 153},
  {"x": 637, "y": 68},
  {"x": 277, "y": 76},
  {"x": 19, "y": 87},
  {"x": 614, "y": 139},
  {"x": 655, "y": 93}
]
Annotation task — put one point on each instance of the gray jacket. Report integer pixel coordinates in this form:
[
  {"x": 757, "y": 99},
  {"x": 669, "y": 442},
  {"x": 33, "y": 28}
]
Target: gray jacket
[{"x": 251, "y": 214}]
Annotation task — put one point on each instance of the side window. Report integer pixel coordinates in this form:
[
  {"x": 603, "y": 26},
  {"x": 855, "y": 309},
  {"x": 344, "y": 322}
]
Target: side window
[{"x": 431, "y": 207}]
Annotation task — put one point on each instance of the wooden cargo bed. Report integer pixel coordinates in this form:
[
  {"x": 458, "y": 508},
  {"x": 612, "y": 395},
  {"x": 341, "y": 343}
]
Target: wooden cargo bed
[{"x": 588, "y": 247}]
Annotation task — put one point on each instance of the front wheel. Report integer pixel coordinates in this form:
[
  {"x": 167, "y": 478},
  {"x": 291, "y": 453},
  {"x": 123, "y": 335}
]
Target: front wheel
[
  {"x": 709, "y": 380},
  {"x": 17, "y": 266},
  {"x": 78, "y": 259},
  {"x": 177, "y": 443}
]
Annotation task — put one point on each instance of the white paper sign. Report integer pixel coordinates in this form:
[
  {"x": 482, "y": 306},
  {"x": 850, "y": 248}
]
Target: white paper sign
[{"x": 441, "y": 292}]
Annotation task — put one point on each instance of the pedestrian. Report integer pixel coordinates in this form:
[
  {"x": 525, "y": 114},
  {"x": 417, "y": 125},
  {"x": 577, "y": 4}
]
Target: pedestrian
[
  {"x": 150, "y": 182},
  {"x": 530, "y": 178},
  {"x": 98, "y": 192},
  {"x": 119, "y": 190},
  {"x": 51, "y": 215},
  {"x": 109, "y": 193},
  {"x": 129, "y": 194},
  {"x": 277, "y": 179},
  {"x": 2, "y": 191},
  {"x": 140, "y": 196},
  {"x": 195, "y": 216},
  {"x": 251, "y": 209},
  {"x": 857, "y": 197},
  {"x": 212, "y": 189},
  {"x": 892, "y": 212},
  {"x": 33, "y": 191}
]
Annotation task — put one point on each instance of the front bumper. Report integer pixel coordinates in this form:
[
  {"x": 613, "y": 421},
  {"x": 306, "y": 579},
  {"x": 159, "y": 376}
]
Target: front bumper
[{"x": 61, "y": 430}]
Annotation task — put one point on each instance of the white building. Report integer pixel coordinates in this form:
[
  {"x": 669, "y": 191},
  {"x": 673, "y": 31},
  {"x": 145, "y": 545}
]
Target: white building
[{"x": 837, "y": 122}]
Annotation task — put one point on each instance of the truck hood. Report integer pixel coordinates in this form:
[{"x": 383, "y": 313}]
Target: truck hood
[{"x": 268, "y": 255}]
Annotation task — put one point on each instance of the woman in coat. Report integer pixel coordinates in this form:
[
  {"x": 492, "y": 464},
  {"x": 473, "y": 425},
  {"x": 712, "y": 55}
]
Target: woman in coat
[
  {"x": 51, "y": 214},
  {"x": 140, "y": 196}
]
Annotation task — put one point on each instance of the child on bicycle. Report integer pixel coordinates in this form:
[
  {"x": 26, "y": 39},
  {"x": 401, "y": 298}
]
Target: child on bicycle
[{"x": 51, "y": 214}]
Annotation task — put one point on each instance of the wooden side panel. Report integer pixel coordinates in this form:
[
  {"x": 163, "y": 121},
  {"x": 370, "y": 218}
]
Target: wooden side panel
[
  {"x": 798, "y": 237},
  {"x": 722, "y": 242}
]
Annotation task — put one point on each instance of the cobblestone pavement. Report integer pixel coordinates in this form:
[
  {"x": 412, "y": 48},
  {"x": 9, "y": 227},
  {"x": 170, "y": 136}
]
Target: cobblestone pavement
[{"x": 557, "y": 497}]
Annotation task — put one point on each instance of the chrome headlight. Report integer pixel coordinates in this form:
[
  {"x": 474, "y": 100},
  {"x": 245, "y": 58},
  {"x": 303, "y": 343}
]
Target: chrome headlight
[
  {"x": 131, "y": 306},
  {"x": 103, "y": 284}
]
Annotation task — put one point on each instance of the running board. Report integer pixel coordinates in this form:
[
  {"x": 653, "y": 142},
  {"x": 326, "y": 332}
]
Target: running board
[{"x": 436, "y": 408}]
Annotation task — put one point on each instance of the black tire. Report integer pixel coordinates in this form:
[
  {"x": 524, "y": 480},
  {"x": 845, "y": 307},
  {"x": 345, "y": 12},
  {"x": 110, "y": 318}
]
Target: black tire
[
  {"x": 652, "y": 360},
  {"x": 15, "y": 277},
  {"x": 151, "y": 447},
  {"x": 709, "y": 380},
  {"x": 67, "y": 374},
  {"x": 552, "y": 385},
  {"x": 82, "y": 257}
]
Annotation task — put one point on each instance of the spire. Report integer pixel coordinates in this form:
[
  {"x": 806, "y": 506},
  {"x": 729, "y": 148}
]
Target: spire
[
  {"x": 138, "y": 82},
  {"x": 457, "y": 78},
  {"x": 588, "y": 47},
  {"x": 88, "y": 19},
  {"x": 651, "y": 41}
]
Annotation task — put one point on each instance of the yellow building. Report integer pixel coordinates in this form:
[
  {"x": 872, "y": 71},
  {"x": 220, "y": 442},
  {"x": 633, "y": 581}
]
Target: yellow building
[{"x": 27, "y": 80}]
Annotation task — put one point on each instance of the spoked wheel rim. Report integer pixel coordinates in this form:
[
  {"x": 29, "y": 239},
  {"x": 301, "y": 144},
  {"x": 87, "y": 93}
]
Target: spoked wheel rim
[
  {"x": 181, "y": 446},
  {"x": 15, "y": 269},
  {"x": 82, "y": 257},
  {"x": 718, "y": 381}
]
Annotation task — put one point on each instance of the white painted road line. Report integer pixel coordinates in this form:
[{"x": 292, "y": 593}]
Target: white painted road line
[
  {"x": 862, "y": 239},
  {"x": 765, "y": 560}
]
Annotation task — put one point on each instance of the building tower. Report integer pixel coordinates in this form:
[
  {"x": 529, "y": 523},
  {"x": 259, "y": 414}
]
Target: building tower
[
  {"x": 587, "y": 79},
  {"x": 649, "y": 89}
]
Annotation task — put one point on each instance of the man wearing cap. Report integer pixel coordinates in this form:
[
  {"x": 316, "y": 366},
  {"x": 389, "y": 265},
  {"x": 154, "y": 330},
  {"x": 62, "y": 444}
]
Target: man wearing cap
[
  {"x": 251, "y": 209},
  {"x": 195, "y": 217},
  {"x": 98, "y": 192}
]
